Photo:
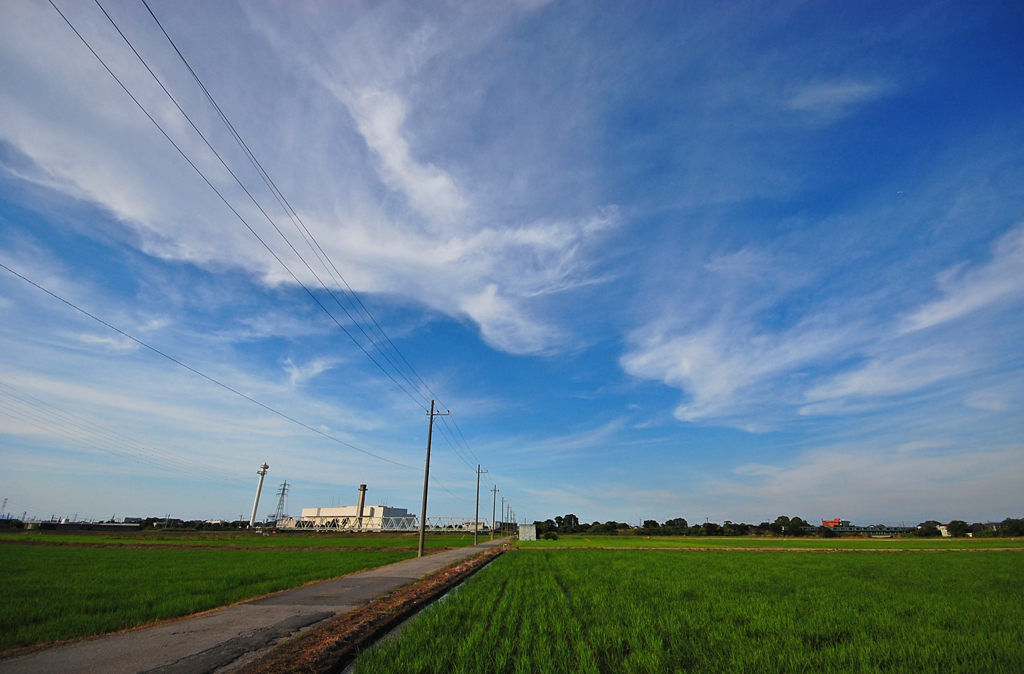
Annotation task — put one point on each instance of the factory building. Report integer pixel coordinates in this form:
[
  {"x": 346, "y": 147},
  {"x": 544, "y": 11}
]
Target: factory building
[
  {"x": 347, "y": 517},
  {"x": 835, "y": 523},
  {"x": 359, "y": 517}
]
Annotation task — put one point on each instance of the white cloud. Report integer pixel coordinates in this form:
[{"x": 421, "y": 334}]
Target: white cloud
[
  {"x": 871, "y": 484},
  {"x": 113, "y": 343},
  {"x": 396, "y": 214},
  {"x": 1001, "y": 280},
  {"x": 832, "y": 100},
  {"x": 735, "y": 368},
  {"x": 725, "y": 369},
  {"x": 889, "y": 375},
  {"x": 380, "y": 116},
  {"x": 503, "y": 326},
  {"x": 299, "y": 374}
]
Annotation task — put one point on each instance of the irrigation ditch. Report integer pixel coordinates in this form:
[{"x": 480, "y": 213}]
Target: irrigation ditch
[{"x": 332, "y": 646}]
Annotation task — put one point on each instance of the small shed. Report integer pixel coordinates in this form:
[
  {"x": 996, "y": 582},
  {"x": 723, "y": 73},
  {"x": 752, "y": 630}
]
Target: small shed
[{"x": 527, "y": 532}]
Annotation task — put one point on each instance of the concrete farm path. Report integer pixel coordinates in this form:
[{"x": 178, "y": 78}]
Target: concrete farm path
[{"x": 215, "y": 640}]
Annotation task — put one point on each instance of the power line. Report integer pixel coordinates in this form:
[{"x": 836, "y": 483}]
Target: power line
[
  {"x": 66, "y": 419},
  {"x": 244, "y": 189},
  {"x": 322, "y": 255},
  {"x": 41, "y": 422},
  {"x": 251, "y": 230},
  {"x": 201, "y": 374},
  {"x": 215, "y": 381}
]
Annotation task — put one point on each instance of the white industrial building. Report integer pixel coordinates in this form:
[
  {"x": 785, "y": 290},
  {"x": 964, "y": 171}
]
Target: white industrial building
[
  {"x": 347, "y": 517},
  {"x": 371, "y": 518}
]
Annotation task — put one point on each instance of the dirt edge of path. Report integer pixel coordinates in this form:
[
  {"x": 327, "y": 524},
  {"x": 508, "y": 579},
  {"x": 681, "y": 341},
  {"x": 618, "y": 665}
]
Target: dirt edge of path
[{"x": 333, "y": 645}]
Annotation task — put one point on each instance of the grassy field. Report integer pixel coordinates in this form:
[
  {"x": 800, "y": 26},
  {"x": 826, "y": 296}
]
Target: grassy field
[
  {"x": 658, "y": 611},
  {"x": 809, "y": 543},
  {"x": 52, "y": 593},
  {"x": 245, "y": 540}
]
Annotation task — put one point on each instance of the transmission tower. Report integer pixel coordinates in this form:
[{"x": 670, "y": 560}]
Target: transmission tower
[{"x": 282, "y": 494}]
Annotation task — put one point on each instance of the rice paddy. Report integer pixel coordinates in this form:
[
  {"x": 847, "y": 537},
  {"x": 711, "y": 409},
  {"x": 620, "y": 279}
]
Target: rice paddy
[
  {"x": 664, "y": 611},
  {"x": 53, "y": 593},
  {"x": 806, "y": 543},
  {"x": 239, "y": 539}
]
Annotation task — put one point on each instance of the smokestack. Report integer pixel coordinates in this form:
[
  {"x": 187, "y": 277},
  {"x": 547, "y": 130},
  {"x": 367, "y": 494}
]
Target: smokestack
[
  {"x": 262, "y": 472},
  {"x": 362, "y": 500}
]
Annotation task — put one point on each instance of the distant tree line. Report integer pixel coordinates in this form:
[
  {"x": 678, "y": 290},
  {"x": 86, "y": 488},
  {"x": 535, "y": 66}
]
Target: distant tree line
[{"x": 782, "y": 526}]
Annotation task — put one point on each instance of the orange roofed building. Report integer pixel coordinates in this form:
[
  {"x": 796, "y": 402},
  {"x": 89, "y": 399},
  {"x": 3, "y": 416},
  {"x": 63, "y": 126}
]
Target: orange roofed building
[{"x": 835, "y": 523}]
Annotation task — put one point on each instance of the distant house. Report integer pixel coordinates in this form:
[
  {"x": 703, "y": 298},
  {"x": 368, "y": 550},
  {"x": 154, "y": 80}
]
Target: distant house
[
  {"x": 845, "y": 527},
  {"x": 835, "y": 523},
  {"x": 944, "y": 531}
]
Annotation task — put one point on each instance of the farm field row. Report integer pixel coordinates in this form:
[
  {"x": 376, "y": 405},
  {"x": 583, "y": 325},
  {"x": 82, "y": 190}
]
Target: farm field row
[
  {"x": 53, "y": 593},
  {"x": 809, "y": 543},
  {"x": 655, "y": 611},
  {"x": 244, "y": 540}
]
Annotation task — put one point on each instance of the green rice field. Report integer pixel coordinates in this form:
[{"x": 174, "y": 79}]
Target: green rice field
[
  {"x": 58, "y": 592},
  {"x": 236, "y": 539},
  {"x": 585, "y": 610},
  {"x": 806, "y": 543}
]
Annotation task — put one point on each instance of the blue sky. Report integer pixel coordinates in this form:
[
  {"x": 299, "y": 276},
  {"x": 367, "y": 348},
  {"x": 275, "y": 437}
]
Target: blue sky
[{"x": 674, "y": 260}]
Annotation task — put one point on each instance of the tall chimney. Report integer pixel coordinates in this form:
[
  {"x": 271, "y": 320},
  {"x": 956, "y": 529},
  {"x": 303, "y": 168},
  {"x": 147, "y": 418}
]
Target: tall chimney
[
  {"x": 359, "y": 508},
  {"x": 262, "y": 472}
]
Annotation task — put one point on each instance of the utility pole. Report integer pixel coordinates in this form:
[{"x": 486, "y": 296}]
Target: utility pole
[
  {"x": 262, "y": 472},
  {"x": 426, "y": 476},
  {"x": 494, "y": 503},
  {"x": 502, "y": 515},
  {"x": 476, "y": 517}
]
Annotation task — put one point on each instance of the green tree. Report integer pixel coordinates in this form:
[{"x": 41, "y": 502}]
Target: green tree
[
  {"x": 797, "y": 525},
  {"x": 958, "y": 528},
  {"x": 827, "y": 532},
  {"x": 780, "y": 526},
  {"x": 1011, "y": 527},
  {"x": 545, "y": 526}
]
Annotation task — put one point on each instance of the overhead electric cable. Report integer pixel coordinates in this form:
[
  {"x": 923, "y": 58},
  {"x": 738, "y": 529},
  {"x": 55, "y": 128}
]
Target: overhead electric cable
[
  {"x": 63, "y": 417},
  {"x": 251, "y": 198},
  {"x": 38, "y": 421},
  {"x": 201, "y": 374},
  {"x": 297, "y": 221},
  {"x": 246, "y": 224},
  {"x": 300, "y": 226},
  {"x": 218, "y": 383}
]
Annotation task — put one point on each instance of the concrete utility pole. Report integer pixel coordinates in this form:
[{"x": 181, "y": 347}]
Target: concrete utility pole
[
  {"x": 503, "y": 515},
  {"x": 426, "y": 476},
  {"x": 262, "y": 472},
  {"x": 362, "y": 502},
  {"x": 494, "y": 503},
  {"x": 476, "y": 517}
]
